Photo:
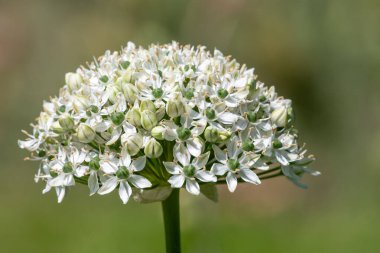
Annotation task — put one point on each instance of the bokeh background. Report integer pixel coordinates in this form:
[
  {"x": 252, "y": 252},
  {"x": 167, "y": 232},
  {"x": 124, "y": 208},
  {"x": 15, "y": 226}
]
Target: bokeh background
[{"x": 323, "y": 54}]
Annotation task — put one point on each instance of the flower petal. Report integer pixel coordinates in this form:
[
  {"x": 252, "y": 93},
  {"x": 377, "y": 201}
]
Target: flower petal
[
  {"x": 194, "y": 146},
  {"x": 205, "y": 176},
  {"x": 227, "y": 118},
  {"x": 176, "y": 181},
  {"x": 139, "y": 181},
  {"x": 201, "y": 161},
  {"x": 192, "y": 186},
  {"x": 108, "y": 167},
  {"x": 220, "y": 155},
  {"x": 249, "y": 176},
  {"x": 60, "y": 193},
  {"x": 139, "y": 163},
  {"x": 181, "y": 154},
  {"x": 219, "y": 169},
  {"x": 108, "y": 186},
  {"x": 231, "y": 181},
  {"x": 125, "y": 191},
  {"x": 172, "y": 168},
  {"x": 93, "y": 183}
]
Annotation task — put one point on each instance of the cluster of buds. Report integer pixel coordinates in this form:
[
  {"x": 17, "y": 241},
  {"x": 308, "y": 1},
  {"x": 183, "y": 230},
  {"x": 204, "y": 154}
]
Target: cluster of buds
[{"x": 144, "y": 121}]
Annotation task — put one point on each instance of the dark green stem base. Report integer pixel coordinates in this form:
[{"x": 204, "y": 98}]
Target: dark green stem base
[{"x": 170, "y": 210}]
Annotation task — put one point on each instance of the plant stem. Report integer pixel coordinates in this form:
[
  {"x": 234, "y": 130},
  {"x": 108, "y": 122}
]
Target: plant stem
[{"x": 170, "y": 210}]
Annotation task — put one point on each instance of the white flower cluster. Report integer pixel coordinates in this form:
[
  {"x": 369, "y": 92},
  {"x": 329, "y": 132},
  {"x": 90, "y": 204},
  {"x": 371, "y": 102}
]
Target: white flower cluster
[{"x": 168, "y": 115}]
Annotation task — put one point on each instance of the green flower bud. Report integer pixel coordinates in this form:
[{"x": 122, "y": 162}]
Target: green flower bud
[
  {"x": 153, "y": 149},
  {"x": 175, "y": 108},
  {"x": 130, "y": 92},
  {"x": 122, "y": 172},
  {"x": 134, "y": 117},
  {"x": 211, "y": 134},
  {"x": 66, "y": 122},
  {"x": 85, "y": 133},
  {"x": 73, "y": 80},
  {"x": 280, "y": 116},
  {"x": 148, "y": 120},
  {"x": 158, "y": 132},
  {"x": 125, "y": 64},
  {"x": 133, "y": 143},
  {"x": 147, "y": 105},
  {"x": 56, "y": 128},
  {"x": 222, "y": 93},
  {"x": 117, "y": 118},
  {"x": 224, "y": 135},
  {"x": 183, "y": 133},
  {"x": 189, "y": 170}
]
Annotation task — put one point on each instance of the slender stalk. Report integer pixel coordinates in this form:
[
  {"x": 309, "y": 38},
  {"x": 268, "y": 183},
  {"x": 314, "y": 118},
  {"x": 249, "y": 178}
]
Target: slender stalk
[{"x": 170, "y": 209}]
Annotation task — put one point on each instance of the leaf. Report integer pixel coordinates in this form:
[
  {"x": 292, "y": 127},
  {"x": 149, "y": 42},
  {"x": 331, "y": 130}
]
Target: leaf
[{"x": 210, "y": 191}]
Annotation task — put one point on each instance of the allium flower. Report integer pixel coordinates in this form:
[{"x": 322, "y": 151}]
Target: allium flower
[{"x": 170, "y": 116}]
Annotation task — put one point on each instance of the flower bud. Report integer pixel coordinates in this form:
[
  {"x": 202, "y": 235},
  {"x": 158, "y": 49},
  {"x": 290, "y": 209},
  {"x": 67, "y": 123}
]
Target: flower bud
[
  {"x": 148, "y": 120},
  {"x": 130, "y": 92},
  {"x": 57, "y": 128},
  {"x": 280, "y": 116},
  {"x": 158, "y": 132},
  {"x": 147, "y": 105},
  {"x": 134, "y": 117},
  {"x": 73, "y": 80},
  {"x": 66, "y": 122},
  {"x": 133, "y": 143},
  {"x": 85, "y": 133},
  {"x": 175, "y": 108},
  {"x": 112, "y": 91},
  {"x": 224, "y": 135},
  {"x": 80, "y": 103},
  {"x": 153, "y": 149},
  {"x": 211, "y": 134}
]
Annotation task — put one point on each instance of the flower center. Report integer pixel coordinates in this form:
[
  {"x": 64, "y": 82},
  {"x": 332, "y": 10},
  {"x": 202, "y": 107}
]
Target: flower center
[
  {"x": 189, "y": 170},
  {"x": 210, "y": 114},
  {"x": 277, "y": 144},
  {"x": 67, "y": 168},
  {"x": 104, "y": 79},
  {"x": 222, "y": 93},
  {"x": 189, "y": 94},
  {"x": 157, "y": 93},
  {"x": 117, "y": 118},
  {"x": 94, "y": 163},
  {"x": 122, "y": 172},
  {"x": 183, "y": 133},
  {"x": 247, "y": 145},
  {"x": 233, "y": 164}
]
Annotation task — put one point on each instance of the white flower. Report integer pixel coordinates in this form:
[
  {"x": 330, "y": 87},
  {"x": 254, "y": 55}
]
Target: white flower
[
  {"x": 120, "y": 173},
  {"x": 231, "y": 163},
  {"x": 189, "y": 171}
]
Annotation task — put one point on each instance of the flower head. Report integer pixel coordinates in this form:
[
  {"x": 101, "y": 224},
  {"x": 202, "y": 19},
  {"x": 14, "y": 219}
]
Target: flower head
[{"x": 167, "y": 116}]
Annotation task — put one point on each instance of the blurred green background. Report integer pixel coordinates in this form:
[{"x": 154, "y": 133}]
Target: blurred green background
[{"x": 323, "y": 54}]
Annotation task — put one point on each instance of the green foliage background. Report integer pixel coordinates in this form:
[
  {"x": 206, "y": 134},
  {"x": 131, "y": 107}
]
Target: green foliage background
[{"x": 323, "y": 54}]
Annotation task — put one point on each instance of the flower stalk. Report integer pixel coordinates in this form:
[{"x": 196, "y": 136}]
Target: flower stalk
[{"x": 170, "y": 210}]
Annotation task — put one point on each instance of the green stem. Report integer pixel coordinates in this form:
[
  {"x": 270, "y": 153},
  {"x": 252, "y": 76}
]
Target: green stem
[{"x": 170, "y": 209}]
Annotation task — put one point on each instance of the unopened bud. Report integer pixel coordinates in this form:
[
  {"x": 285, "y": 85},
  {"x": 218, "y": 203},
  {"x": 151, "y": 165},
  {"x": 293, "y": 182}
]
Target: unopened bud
[
  {"x": 134, "y": 117},
  {"x": 73, "y": 80},
  {"x": 158, "y": 132},
  {"x": 148, "y": 120},
  {"x": 211, "y": 134},
  {"x": 130, "y": 92},
  {"x": 175, "y": 108},
  {"x": 85, "y": 133},
  {"x": 153, "y": 149},
  {"x": 56, "y": 128},
  {"x": 66, "y": 122},
  {"x": 280, "y": 116},
  {"x": 147, "y": 105},
  {"x": 133, "y": 143}
]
